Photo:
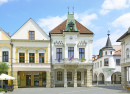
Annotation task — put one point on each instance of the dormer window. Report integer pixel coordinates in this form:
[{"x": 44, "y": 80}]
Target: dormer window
[
  {"x": 31, "y": 35},
  {"x": 71, "y": 25}
]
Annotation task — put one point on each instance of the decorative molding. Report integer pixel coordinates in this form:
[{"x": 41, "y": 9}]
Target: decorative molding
[
  {"x": 58, "y": 44},
  {"x": 71, "y": 44},
  {"x": 82, "y": 44}
]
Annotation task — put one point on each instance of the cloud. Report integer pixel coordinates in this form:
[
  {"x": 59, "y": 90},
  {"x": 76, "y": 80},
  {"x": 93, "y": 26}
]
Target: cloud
[
  {"x": 123, "y": 21},
  {"x": 50, "y": 23},
  {"x": 109, "y": 5},
  {"x": 3, "y": 1},
  {"x": 100, "y": 43}
]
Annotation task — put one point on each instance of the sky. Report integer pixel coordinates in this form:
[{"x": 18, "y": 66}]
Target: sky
[{"x": 99, "y": 16}]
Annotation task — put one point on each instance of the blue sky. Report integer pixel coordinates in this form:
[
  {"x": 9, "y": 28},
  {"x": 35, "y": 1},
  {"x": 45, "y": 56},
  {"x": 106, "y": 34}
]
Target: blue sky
[{"x": 97, "y": 15}]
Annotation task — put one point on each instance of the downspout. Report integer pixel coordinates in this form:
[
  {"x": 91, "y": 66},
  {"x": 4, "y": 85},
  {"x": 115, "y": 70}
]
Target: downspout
[
  {"x": 52, "y": 72},
  {"x": 11, "y": 60}
]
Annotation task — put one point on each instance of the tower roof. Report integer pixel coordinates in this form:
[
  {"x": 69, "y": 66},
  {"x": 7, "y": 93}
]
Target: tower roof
[{"x": 108, "y": 44}]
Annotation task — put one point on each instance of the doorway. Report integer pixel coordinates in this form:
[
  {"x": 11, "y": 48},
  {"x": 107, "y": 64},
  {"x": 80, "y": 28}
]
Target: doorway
[{"x": 28, "y": 80}]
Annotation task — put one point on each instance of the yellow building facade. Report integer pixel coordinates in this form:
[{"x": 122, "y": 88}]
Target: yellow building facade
[{"x": 5, "y": 51}]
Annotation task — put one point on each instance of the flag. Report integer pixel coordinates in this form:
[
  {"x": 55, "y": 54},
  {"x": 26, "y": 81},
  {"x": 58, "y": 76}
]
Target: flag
[
  {"x": 59, "y": 59},
  {"x": 71, "y": 57},
  {"x": 82, "y": 59}
]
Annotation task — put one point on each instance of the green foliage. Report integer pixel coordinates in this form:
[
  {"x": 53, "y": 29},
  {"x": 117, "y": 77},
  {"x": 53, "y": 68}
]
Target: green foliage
[
  {"x": 1, "y": 89},
  {"x": 3, "y": 67}
]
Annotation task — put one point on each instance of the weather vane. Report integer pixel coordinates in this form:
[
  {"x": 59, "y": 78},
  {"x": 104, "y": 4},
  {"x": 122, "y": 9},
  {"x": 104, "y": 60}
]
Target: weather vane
[
  {"x": 73, "y": 9},
  {"x": 108, "y": 32},
  {"x": 68, "y": 10}
]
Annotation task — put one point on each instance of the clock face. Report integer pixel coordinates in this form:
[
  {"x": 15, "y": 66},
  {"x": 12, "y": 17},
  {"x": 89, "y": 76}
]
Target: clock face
[{"x": 71, "y": 37}]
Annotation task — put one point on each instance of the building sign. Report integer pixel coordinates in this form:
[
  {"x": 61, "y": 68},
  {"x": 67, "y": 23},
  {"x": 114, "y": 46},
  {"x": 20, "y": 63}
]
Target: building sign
[{"x": 32, "y": 73}]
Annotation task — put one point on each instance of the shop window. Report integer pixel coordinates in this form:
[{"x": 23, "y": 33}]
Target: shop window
[
  {"x": 81, "y": 53},
  {"x": 41, "y": 57},
  {"x": 118, "y": 62},
  {"x": 36, "y": 80},
  {"x": 31, "y": 57},
  {"x": 31, "y": 35},
  {"x": 69, "y": 76},
  {"x": 59, "y": 76},
  {"x": 106, "y": 63},
  {"x": 5, "y": 56},
  {"x": 44, "y": 78},
  {"x": 79, "y": 76},
  {"x": 21, "y": 57}
]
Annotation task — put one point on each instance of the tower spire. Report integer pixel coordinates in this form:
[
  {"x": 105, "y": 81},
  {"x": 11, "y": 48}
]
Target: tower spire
[
  {"x": 73, "y": 9},
  {"x": 68, "y": 10},
  {"x": 108, "y": 44}
]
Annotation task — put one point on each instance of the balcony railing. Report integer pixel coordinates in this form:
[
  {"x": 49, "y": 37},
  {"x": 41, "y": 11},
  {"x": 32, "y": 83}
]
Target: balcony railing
[{"x": 67, "y": 60}]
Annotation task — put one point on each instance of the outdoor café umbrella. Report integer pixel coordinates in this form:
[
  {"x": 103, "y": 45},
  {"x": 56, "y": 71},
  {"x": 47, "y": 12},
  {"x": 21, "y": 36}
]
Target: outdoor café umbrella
[{"x": 5, "y": 77}]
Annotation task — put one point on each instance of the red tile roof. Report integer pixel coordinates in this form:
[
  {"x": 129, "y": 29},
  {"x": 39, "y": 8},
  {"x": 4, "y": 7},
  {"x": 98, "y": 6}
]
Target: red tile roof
[
  {"x": 117, "y": 52},
  {"x": 82, "y": 29}
]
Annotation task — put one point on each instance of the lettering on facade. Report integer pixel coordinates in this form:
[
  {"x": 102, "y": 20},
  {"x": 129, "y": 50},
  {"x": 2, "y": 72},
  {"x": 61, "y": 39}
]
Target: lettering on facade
[{"x": 32, "y": 73}]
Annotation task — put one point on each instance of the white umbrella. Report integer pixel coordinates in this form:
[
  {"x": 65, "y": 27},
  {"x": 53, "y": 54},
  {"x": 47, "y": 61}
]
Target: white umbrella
[{"x": 5, "y": 77}]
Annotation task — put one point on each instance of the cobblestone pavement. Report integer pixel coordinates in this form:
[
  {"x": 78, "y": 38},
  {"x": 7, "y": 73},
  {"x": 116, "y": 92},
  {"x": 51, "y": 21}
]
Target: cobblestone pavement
[{"x": 71, "y": 90}]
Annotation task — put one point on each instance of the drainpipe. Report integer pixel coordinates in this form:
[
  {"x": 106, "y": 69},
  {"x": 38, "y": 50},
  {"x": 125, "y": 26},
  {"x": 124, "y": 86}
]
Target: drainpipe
[
  {"x": 11, "y": 60},
  {"x": 52, "y": 71}
]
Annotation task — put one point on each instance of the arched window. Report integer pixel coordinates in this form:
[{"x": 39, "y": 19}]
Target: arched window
[
  {"x": 79, "y": 76},
  {"x": 69, "y": 76},
  {"x": 111, "y": 52},
  {"x": 106, "y": 53},
  {"x": 59, "y": 76},
  {"x": 127, "y": 53}
]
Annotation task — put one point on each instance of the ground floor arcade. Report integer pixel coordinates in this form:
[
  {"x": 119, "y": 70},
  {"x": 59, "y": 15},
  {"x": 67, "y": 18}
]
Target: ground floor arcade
[{"x": 72, "y": 75}]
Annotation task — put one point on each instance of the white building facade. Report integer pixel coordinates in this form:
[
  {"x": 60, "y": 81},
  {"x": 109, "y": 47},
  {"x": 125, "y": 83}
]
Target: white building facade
[
  {"x": 106, "y": 66},
  {"x": 71, "y": 47},
  {"x": 125, "y": 57}
]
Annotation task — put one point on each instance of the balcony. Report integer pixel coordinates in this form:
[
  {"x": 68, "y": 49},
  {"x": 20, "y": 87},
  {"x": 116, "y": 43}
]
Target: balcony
[{"x": 68, "y": 61}]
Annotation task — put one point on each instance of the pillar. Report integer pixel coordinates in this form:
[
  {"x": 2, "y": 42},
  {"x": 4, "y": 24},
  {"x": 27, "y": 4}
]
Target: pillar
[
  {"x": 75, "y": 77},
  {"x": 15, "y": 82},
  {"x": 124, "y": 76},
  {"x": 89, "y": 78},
  {"x": 27, "y": 59},
  {"x": 48, "y": 80},
  {"x": 65, "y": 77}
]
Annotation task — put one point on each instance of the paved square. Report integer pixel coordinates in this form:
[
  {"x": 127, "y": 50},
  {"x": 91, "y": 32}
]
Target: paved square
[{"x": 71, "y": 90}]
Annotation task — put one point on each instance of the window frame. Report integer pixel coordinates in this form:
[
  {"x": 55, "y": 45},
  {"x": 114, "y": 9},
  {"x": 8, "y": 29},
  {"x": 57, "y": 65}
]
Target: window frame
[
  {"x": 41, "y": 57},
  {"x": 59, "y": 76},
  {"x": 21, "y": 56},
  {"x": 6, "y": 56},
  {"x": 107, "y": 62},
  {"x": 58, "y": 53},
  {"x": 81, "y": 53},
  {"x": 31, "y": 35},
  {"x": 31, "y": 56},
  {"x": 69, "y": 76},
  {"x": 69, "y": 51}
]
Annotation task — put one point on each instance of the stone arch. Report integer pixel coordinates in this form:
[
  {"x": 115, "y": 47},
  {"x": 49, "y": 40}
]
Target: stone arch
[
  {"x": 95, "y": 78},
  {"x": 116, "y": 78},
  {"x": 101, "y": 78}
]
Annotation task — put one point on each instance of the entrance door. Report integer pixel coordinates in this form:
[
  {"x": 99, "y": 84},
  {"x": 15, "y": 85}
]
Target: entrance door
[{"x": 28, "y": 80}]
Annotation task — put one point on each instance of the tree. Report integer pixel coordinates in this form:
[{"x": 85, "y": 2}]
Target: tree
[{"x": 3, "y": 67}]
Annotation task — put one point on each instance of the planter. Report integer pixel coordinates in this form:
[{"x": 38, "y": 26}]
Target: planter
[{"x": 2, "y": 92}]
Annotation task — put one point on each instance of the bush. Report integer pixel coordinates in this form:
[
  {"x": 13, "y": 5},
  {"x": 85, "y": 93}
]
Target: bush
[{"x": 1, "y": 89}]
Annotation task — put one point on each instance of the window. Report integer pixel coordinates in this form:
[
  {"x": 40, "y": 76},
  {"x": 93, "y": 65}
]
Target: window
[
  {"x": 111, "y": 52},
  {"x": 36, "y": 80},
  {"x": 100, "y": 63},
  {"x": 41, "y": 57},
  {"x": 106, "y": 62},
  {"x": 5, "y": 56},
  {"x": 81, "y": 53},
  {"x": 118, "y": 62},
  {"x": 69, "y": 76},
  {"x": 79, "y": 76},
  {"x": 59, "y": 53},
  {"x": 71, "y": 27},
  {"x": 31, "y": 57},
  {"x": 59, "y": 76},
  {"x": 70, "y": 52},
  {"x": 106, "y": 53},
  {"x": 21, "y": 57},
  {"x": 127, "y": 53},
  {"x": 31, "y": 35}
]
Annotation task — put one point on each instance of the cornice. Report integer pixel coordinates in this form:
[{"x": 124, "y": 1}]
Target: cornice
[{"x": 24, "y": 40}]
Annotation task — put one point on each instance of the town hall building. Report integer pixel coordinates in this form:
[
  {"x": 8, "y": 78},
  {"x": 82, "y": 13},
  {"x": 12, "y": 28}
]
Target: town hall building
[{"x": 71, "y": 54}]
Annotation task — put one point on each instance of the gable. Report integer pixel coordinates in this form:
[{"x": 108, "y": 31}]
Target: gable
[
  {"x": 30, "y": 25},
  {"x": 3, "y": 35}
]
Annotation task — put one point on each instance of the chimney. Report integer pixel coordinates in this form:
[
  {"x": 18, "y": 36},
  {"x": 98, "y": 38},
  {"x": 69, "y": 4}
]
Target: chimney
[{"x": 8, "y": 33}]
